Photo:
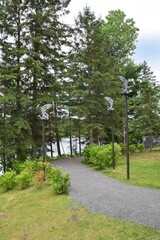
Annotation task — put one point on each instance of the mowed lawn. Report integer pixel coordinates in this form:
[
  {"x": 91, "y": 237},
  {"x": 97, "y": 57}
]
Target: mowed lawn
[
  {"x": 144, "y": 170},
  {"x": 38, "y": 214}
]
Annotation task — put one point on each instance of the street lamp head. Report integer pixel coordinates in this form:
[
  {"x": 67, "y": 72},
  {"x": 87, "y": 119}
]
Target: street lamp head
[
  {"x": 110, "y": 108},
  {"x": 110, "y": 100},
  {"x": 44, "y": 108},
  {"x": 122, "y": 79},
  {"x": 125, "y": 82}
]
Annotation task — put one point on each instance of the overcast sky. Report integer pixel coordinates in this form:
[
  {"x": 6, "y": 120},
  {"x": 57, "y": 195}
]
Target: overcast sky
[{"x": 146, "y": 14}]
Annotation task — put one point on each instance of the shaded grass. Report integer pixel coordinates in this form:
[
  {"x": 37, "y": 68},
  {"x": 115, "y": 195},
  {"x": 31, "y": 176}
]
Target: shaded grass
[
  {"x": 144, "y": 171},
  {"x": 41, "y": 215}
]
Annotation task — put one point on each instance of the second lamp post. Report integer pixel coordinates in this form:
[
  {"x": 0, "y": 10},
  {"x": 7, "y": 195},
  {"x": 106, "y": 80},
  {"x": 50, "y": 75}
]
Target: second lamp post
[
  {"x": 44, "y": 117},
  {"x": 110, "y": 108},
  {"x": 125, "y": 92}
]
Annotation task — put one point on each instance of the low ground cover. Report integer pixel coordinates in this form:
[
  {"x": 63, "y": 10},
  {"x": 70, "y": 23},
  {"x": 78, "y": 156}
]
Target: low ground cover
[
  {"x": 34, "y": 173},
  {"x": 39, "y": 214}
]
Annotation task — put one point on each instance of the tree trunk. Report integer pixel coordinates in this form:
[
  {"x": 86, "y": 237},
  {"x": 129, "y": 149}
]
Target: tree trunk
[
  {"x": 96, "y": 136},
  {"x": 70, "y": 142},
  {"x": 91, "y": 136},
  {"x": 34, "y": 137},
  {"x": 58, "y": 143},
  {"x": 79, "y": 140}
]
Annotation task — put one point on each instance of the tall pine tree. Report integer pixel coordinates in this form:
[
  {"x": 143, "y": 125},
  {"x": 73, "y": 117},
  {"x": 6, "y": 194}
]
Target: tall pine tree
[{"x": 33, "y": 62}]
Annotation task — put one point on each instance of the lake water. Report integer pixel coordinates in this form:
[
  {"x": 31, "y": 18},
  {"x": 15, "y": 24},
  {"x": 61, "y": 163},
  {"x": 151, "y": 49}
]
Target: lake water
[{"x": 64, "y": 146}]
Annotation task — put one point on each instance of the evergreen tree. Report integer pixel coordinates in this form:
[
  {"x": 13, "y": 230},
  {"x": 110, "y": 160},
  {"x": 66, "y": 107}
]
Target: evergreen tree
[
  {"x": 12, "y": 75},
  {"x": 93, "y": 70},
  {"x": 101, "y": 52},
  {"x": 121, "y": 33},
  {"x": 33, "y": 62},
  {"x": 146, "y": 121}
]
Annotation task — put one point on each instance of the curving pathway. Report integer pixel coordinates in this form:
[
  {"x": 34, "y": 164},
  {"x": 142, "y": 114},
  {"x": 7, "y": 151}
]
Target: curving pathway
[{"x": 104, "y": 195}]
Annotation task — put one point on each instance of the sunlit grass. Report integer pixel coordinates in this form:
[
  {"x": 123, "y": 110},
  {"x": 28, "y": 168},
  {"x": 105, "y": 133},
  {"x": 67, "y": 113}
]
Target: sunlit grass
[{"x": 41, "y": 215}]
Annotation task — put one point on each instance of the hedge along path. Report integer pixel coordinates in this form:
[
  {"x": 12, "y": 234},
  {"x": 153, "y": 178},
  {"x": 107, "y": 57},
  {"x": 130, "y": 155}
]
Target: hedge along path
[{"x": 104, "y": 195}]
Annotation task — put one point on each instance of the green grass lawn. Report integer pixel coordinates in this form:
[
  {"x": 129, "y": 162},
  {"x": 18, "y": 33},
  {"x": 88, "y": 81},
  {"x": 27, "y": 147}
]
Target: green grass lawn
[
  {"x": 152, "y": 153},
  {"x": 144, "y": 170},
  {"x": 38, "y": 214}
]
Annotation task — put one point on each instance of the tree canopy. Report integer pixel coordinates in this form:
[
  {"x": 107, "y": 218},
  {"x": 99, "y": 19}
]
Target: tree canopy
[{"x": 44, "y": 61}]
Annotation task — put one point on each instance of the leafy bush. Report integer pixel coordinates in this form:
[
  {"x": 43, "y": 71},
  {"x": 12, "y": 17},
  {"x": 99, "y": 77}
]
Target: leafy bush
[
  {"x": 16, "y": 166},
  {"x": 94, "y": 155},
  {"x": 47, "y": 167},
  {"x": 24, "y": 179},
  {"x": 59, "y": 181},
  {"x": 8, "y": 181},
  {"x": 35, "y": 172},
  {"x": 123, "y": 147},
  {"x": 132, "y": 148},
  {"x": 117, "y": 153},
  {"x": 101, "y": 156},
  {"x": 87, "y": 152},
  {"x": 140, "y": 147},
  {"x": 32, "y": 165}
]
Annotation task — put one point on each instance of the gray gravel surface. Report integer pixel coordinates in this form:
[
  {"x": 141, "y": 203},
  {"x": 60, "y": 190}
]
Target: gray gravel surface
[{"x": 104, "y": 195}]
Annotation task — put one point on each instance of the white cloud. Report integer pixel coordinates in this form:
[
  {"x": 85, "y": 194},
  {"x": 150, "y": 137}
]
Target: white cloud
[
  {"x": 146, "y": 16},
  {"x": 145, "y": 13}
]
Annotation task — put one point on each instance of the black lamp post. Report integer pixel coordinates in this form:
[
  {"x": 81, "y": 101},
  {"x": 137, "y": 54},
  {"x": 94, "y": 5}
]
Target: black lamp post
[
  {"x": 44, "y": 117},
  {"x": 4, "y": 135},
  {"x": 110, "y": 100},
  {"x": 125, "y": 92}
]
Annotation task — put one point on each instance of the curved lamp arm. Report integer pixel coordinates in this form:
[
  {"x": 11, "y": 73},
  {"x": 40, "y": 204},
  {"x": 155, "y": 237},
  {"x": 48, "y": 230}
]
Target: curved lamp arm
[
  {"x": 44, "y": 108},
  {"x": 125, "y": 82},
  {"x": 110, "y": 100}
]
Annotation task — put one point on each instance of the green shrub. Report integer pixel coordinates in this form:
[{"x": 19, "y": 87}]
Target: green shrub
[
  {"x": 140, "y": 147},
  {"x": 17, "y": 166},
  {"x": 33, "y": 165},
  {"x": 132, "y": 148},
  {"x": 59, "y": 181},
  {"x": 47, "y": 167},
  {"x": 87, "y": 152},
  {"x": 8, "y": 181},
  {"x": 106, "y": 154},
  {"x": 94, "y": 152},
  {"x": 24, "y": 179},
  {"x": 33, "y": 172},
  {"x": 123, "y": 148},
  {"x": 101, "y": 156},
  {"x": 117, "y": 151}
]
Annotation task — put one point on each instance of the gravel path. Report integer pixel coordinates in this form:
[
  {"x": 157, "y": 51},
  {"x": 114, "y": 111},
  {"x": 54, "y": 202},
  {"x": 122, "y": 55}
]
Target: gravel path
[{"x": 101, "y": 194}]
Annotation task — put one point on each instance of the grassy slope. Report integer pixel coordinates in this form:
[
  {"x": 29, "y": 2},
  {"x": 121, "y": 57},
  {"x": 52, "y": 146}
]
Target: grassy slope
[
  {"x": 144, "y": 171},
  {"x": 40, "y": 215}
]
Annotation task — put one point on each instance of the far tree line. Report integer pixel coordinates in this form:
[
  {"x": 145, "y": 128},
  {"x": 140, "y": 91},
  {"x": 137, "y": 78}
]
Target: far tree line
[{"x": 43, "y": 60}]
